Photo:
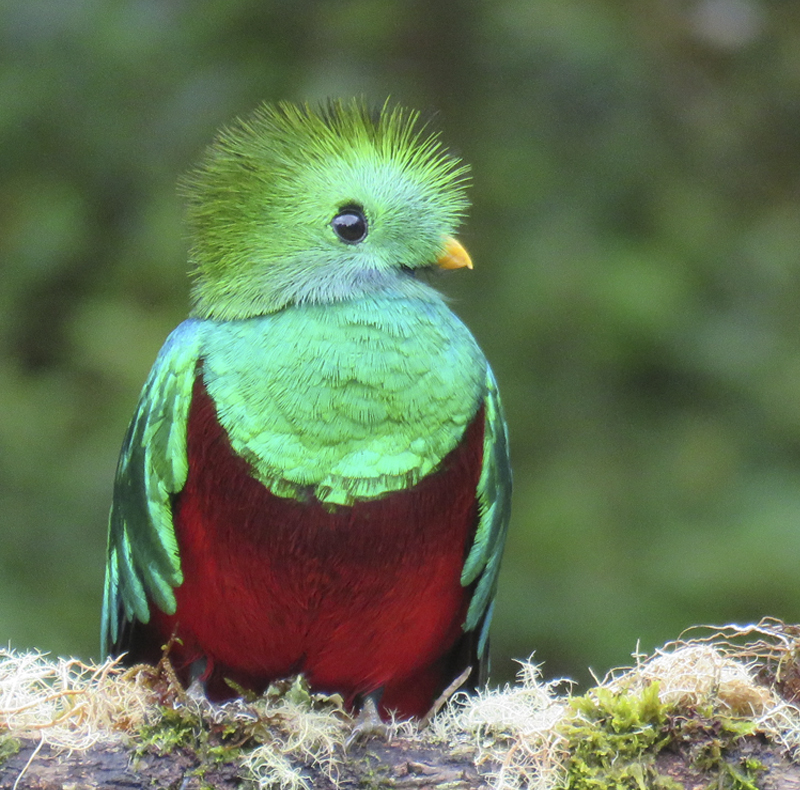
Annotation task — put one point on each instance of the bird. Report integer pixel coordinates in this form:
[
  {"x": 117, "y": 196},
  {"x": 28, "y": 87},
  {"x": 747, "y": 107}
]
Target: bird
[{"x": 316, "y": 478}]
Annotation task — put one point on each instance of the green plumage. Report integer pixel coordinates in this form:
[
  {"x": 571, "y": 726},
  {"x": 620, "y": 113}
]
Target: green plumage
[
  {"x": 345, "y": 399},
  {"x": 334, "y": 372},
  {"x": 262, "y": 198}
]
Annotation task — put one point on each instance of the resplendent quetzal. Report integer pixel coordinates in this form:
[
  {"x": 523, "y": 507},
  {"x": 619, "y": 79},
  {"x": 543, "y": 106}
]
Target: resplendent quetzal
[{"x": 316, "y": 478}]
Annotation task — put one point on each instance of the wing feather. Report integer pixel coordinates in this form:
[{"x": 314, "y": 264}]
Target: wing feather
[
  {"x": 143, "y": 559},
  {"x": 494, "y": 507}
]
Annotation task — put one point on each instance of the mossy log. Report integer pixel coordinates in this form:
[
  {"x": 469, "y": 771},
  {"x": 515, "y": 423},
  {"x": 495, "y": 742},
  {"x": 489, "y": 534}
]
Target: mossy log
[
  {"x": 721, "y": 711},
  {"x": 400, "y": 764}
]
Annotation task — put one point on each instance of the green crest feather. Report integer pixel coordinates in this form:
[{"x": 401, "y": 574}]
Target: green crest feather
[{"x": 261, "y": 202}]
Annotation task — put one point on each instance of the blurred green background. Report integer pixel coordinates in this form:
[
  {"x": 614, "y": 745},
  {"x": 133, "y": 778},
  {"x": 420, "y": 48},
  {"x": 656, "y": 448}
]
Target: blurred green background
[{"x": 636, "y": 233}]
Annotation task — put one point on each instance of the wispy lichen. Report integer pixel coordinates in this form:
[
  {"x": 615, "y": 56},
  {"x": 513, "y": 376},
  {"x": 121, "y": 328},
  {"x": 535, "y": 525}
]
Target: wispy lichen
[{"x": 699, "y": 697}]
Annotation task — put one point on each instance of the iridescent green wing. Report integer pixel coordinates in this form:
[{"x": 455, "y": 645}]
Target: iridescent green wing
[
  {"x": 494, "y": 508},
  {"x": 143, "y": 561}
]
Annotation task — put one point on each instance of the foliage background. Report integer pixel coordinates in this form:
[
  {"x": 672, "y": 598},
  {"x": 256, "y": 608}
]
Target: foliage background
[{"x": 636, "y": 228}]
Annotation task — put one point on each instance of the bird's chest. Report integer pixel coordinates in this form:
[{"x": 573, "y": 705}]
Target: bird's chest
[
  {"x": 353, "y": 596},
  {"x": 350, "y": 404}
]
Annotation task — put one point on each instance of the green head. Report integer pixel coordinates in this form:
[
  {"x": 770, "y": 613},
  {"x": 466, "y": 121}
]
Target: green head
[{"x": 295, "y": 205}]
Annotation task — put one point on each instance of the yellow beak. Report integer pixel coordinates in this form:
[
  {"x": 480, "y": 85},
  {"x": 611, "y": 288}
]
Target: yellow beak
[{"x": 454, "y": 256}]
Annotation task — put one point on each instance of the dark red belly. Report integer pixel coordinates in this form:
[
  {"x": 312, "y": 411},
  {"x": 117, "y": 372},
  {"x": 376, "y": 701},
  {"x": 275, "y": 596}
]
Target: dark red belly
[{"x": 356, "y": 598}]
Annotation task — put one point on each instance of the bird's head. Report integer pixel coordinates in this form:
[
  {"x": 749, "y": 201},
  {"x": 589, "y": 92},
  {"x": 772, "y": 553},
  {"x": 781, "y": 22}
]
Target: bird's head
[{"x": 294, "y": 205}]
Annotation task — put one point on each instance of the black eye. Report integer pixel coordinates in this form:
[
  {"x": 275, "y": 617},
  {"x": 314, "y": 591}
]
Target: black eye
[{"x": 350, "y": 225}]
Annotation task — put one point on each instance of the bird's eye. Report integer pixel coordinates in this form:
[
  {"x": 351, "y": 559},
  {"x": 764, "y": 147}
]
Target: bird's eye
[{"x": 350, "y": 225}]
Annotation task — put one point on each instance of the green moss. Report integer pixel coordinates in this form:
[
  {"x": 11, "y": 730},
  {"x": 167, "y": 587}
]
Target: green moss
[
  {"x": 744, "y": 776},
  {"x": 8, "y": 748},
  {"x": 175, "y": 728},
  {"x": 613, "y": 739},
  {"x": 263, "y": 739},
  {"x": 180, "y": 728},
  {"x": 375, "y": 776},
  {"x": 714, "y": 737}
]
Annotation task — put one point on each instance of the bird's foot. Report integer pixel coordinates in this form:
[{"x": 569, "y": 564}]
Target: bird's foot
[
  {"x": 368, "y": 724},
  {"x": 198, "y": 673}
]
